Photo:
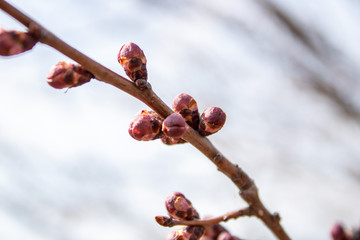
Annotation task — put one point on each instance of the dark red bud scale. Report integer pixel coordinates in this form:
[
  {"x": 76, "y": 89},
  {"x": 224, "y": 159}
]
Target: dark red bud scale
[
  {"x": 15, "y": 42},
  {"x": 172, "y": 141},
  {"x": 187, "y": 233},
  {"x": 68, "y": 75},
  {"x": 211, "y": 121},
  {"x": 213, "y": 231},
  {"x": 133, "y": 60},
  {"x": 146, "y": 126},
  {"x": 186, "y": 106}
]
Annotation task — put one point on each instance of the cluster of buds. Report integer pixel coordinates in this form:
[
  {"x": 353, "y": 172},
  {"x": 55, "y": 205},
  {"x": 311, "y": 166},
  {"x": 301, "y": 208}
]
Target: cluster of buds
[
  {"x": 217, "y": 232},
  {"x": 179, "y": 207},
  {"x": 146, "y": 128},
  {"x": 148, "y": 125},
  {"x": 133, "y": 60},
  {"x": 180, "y": 210},
  {"x": 15, "y": 42},
  {"x": 338, "y": 233},
  {"x": 68, "y": 75},
  {"x": 210, "y": 121}
]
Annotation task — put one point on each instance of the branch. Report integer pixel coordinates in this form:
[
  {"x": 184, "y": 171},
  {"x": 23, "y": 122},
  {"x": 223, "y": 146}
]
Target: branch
[
  {"x": 170, "y": 222},
  {"x": 246, "y": 186}
]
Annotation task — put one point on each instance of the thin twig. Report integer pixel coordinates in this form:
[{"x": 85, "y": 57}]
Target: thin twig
[
  {"x": 170, "y": 222},
  {"x": 248, "y": 190}
]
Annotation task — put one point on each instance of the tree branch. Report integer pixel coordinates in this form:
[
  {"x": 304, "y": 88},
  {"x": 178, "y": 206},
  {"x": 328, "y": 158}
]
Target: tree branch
[{"x": 248, "y": 190}]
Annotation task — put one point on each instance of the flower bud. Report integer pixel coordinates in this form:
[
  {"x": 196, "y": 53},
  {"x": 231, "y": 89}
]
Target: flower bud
[
  {"x": 15, "y": 42},
  {"x": 163, "y": 220},
  {"x": 186, "y": 106},
  {"x": 68, "y": 75},
  {"x": 337, "y": 232},
  {"x": 211, "y": 121},
  {"x": 187, "y": 233},
  {"x": 146, "y": 126},
  {"x": 174, "y": 126},
  {"x": 133, "y": 60},
  {"x": 179, "y": 207}
]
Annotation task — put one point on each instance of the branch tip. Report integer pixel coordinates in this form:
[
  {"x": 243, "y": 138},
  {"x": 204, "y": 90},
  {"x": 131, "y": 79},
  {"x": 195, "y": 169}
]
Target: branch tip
[{"x": 164, "y": 221}]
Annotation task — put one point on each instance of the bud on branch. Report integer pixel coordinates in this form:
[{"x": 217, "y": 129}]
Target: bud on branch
[
  {"x": 182, "y": 212},
  {"x": 186, "y": 106},
  {"x": 68, "y": 75},
  {"x": 174, "y": 126},
  {"x": 211, "y": 121},
  {"x": 179, "y": 207},
  {"x": 15, "y": 42},
  {"x": 133, "y": 60},
  {"x": 146, "y": 126}
]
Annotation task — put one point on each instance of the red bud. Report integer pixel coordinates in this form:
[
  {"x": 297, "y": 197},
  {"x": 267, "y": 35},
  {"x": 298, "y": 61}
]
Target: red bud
[
  {"x": 179, "y": 207},
  {"x": 186, "y": 106},
  {"x": 146, "y": 126},
  {"x": 174, "y": 126},
  {"x": 211, "y": 121},
  {"x": 133, "y": 60},
  {"x": 68, "y": 75},
  {"x": 337, "y": 232},
  {"x": 15, "y": 42}
]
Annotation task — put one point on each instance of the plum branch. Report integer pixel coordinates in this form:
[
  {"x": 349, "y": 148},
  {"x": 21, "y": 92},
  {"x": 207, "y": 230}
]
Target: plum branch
[{"x": 247, "y": 188}]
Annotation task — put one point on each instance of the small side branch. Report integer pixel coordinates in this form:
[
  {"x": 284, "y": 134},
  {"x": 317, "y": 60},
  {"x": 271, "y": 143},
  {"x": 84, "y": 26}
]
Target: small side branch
[{"x": 170, "y": 222}]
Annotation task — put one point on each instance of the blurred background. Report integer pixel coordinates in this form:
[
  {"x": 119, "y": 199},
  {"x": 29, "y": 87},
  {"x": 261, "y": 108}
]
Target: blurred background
[{"x": 285, "y": 72}]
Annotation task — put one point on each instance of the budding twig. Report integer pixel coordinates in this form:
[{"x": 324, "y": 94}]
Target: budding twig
[
  {"x": 245, "y": 184},
  {"x": 171, "y": 222}
]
